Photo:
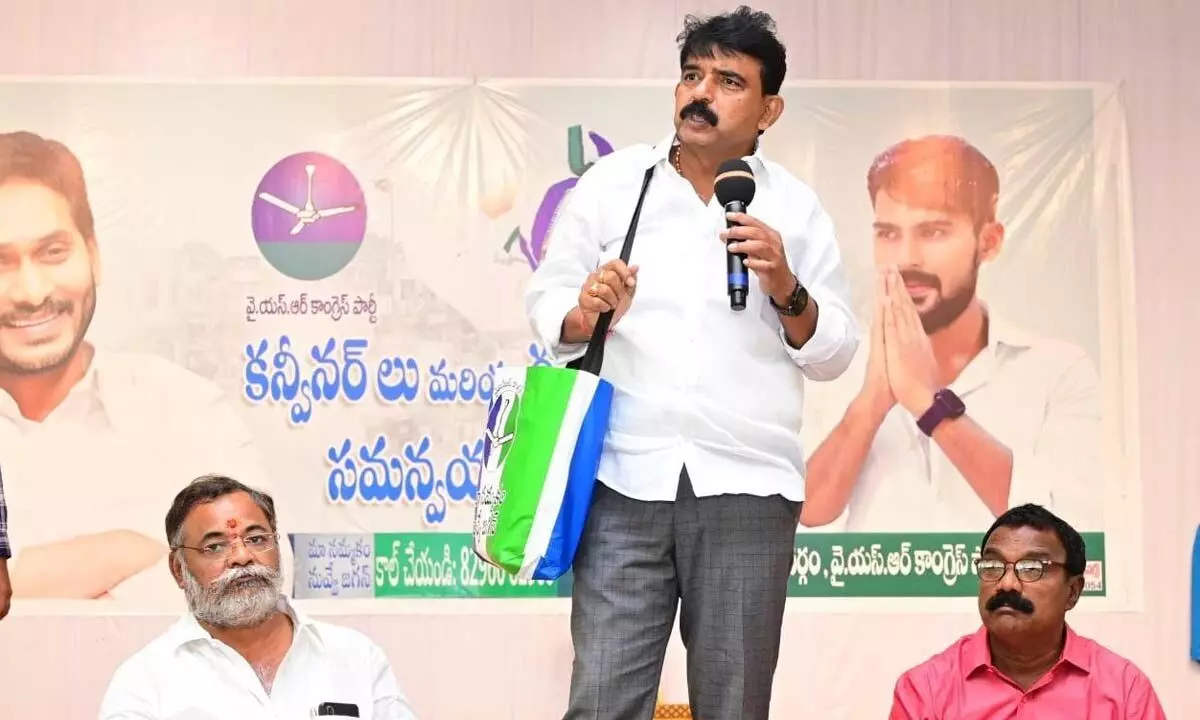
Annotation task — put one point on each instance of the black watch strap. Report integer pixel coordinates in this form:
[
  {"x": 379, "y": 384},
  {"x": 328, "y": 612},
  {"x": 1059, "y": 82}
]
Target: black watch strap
[{"x": 797, "y": 302}]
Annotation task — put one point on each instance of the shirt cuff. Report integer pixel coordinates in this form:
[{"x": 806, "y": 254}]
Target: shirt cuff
[
  {"x": 827, "y": 339},
  {"x": 548, "y": 321}
]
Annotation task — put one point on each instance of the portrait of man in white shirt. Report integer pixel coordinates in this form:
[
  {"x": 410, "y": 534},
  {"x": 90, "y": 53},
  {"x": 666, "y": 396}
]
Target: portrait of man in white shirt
[
  {"x": 90, "y": 439},
  {"x": 243, "y": 651},
  {"x": 701, "y": 476},
  {"x": 951, "y": 413}
]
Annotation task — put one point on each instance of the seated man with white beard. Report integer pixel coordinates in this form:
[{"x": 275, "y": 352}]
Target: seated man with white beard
[{"x": 244, "y": 652}]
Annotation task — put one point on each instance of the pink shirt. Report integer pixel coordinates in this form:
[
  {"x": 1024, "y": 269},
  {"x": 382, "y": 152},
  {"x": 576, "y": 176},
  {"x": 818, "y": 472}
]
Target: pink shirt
[{"x": 1089, "y": 682}]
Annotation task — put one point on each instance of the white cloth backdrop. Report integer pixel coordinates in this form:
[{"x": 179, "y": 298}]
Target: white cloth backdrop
[{"x": 839, "y": 666}]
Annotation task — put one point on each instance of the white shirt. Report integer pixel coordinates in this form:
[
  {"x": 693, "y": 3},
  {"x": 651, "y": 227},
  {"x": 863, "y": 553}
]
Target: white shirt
[
  {"x": 185, "y": 674},
  {"x": 111, "y": 457},
  {"x": 1037, "y": 396},
  {"x": 694, "y": 382}
]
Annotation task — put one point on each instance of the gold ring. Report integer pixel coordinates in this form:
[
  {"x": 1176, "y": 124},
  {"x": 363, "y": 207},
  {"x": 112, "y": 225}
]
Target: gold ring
[{"x": 594, "y": 290}]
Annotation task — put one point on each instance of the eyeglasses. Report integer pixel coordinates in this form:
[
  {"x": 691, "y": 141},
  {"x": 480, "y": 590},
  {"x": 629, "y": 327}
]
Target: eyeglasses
[
  {"x": 258, "y": 543},
  {"x": 1027, "y": 570}
]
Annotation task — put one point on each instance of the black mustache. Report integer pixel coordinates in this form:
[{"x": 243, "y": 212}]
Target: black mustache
[
  {"x": 700, "y": 110},
  {"x": 920, "y": 278},
  {"x": 1012, "y": 599},
  {"x": 24, "y": 312}
]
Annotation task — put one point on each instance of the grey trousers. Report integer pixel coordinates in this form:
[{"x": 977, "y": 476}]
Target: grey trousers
[{"x": 723, "y": 560}]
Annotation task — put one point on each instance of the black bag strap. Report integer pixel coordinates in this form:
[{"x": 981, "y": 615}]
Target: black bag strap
[{"x": 594, "y": 357}]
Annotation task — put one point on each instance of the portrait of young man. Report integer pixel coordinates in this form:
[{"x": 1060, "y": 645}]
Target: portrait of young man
[
  {"x": 92, "y": 439},
  {"x": 952, "y": 412}
]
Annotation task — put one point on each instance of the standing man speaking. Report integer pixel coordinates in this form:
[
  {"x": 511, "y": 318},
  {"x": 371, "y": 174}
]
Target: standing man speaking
[{"x": 702, "y": 476}]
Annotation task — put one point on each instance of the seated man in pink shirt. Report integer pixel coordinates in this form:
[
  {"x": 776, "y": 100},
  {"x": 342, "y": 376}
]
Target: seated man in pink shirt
[{"x": 1025, "y": 663}]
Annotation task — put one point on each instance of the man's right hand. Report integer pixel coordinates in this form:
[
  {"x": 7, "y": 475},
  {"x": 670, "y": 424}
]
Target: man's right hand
[
  {"x": 610, "y": 287},
  {"x": 877, "y": 396}
]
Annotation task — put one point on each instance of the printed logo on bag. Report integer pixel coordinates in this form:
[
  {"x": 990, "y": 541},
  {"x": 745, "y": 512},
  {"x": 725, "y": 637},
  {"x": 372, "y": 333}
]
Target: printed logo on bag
[
  {"x": 487, "y": 511},
  {"x": 501, "y": 424}
]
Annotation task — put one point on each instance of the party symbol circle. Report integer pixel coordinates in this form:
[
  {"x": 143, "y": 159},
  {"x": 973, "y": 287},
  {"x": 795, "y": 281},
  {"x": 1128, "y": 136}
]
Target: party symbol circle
[{"x": 309, "y": 216}]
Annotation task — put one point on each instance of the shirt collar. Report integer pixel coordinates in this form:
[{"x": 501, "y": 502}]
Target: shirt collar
[
  {"x": 188, "y": 630},
  {"x": 1003, "y": 334},
  {"x": 1005, "y": 342},
  {"x": 976, "y": 653},
  {"x": 662, "y": 154},
  {"x": 1077, "y": 651}
]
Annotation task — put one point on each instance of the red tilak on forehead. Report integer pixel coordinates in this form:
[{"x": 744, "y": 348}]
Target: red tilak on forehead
[{"x": 231, "y": 524}]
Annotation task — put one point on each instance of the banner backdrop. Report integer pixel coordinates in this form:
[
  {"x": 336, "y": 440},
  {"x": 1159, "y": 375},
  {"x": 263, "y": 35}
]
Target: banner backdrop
[{"x": 309, "y": 286}]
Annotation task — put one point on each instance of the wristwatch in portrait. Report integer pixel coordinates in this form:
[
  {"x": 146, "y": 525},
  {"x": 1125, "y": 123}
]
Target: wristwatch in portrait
[
  {"x": 796, "y": 304},
  {"x": 946, "y": 406}
]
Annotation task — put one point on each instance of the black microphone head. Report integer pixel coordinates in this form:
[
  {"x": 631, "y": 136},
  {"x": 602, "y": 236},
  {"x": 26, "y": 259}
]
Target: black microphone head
[{"x": 735, "y": 181}]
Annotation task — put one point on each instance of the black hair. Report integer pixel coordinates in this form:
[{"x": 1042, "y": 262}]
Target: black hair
[
  {"x": 1039, "y": 518},
  {"x": 33, "y": 158},
  {"x": 205, "y": 489},
  {"x": 743, "y": 31}
]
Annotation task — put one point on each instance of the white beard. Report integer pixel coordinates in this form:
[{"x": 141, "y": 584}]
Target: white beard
[{"x": 223, "y": 604}]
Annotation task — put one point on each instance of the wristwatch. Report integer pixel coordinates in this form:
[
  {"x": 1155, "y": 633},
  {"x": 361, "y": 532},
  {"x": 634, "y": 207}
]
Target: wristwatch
[
  {"x": 946, "y": 406},
  {"x": 797, "y": 302}
]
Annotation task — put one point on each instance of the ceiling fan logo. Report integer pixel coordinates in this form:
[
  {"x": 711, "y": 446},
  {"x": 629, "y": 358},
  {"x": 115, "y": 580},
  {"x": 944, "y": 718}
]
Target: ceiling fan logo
[{"x": 309, "y": 216}]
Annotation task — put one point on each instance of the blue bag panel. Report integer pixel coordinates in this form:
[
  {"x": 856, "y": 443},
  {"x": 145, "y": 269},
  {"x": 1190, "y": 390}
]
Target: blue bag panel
[{"x": 581, "y": 481}]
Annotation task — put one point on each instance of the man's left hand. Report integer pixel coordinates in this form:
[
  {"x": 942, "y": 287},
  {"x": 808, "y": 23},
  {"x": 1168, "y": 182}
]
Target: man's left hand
[
  {"x": 911, "y": 367},
  {"x": 763, "y": 248}
]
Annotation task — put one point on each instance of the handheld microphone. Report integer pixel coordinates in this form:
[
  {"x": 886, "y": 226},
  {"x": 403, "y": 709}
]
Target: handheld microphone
[{"x": 734, "y": 188}]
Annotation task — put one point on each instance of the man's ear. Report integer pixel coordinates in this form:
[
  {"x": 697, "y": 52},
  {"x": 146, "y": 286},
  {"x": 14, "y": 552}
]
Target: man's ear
[
  {"x": 773, "y": 108},
  {"x": 1074, "y": 591},
  {"x": 175, "y": 562},
  {"x": 94, "y": 257},
  {"x": 991, "y": 241}
]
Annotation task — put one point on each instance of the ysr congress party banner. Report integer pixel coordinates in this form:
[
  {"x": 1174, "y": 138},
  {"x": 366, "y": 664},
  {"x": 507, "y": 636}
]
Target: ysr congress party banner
[{"x": 309, "y": 285}]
